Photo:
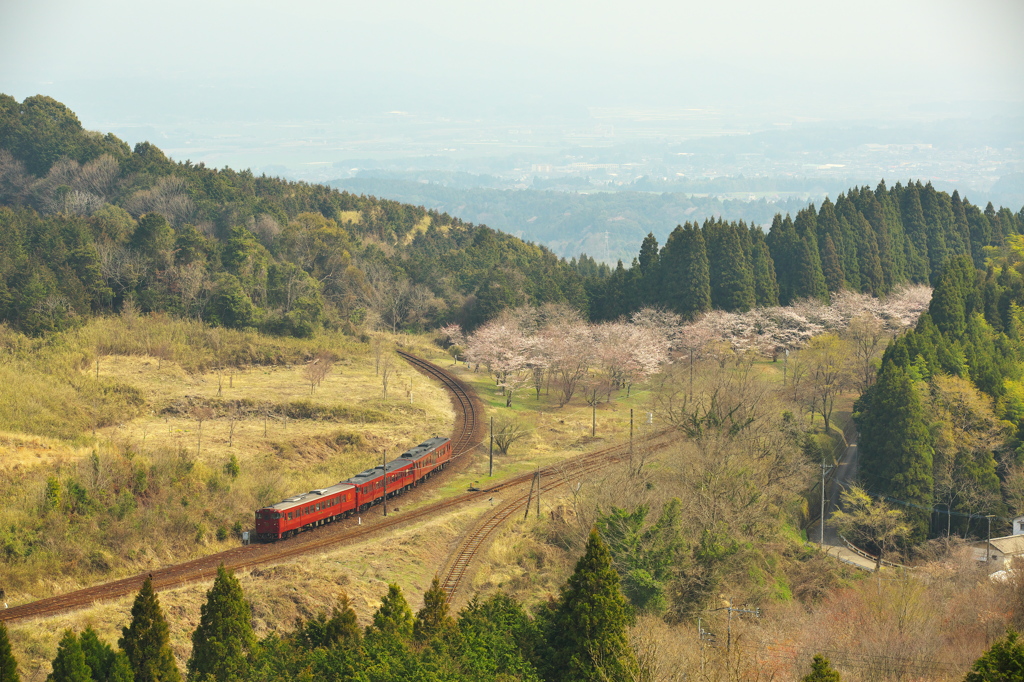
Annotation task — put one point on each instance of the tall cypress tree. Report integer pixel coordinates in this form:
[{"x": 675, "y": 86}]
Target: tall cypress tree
[
  {"x": 224, "y": 637},
  {"x": 8, "y": 664},
  {"x": 649, "y": 272},
  {"x": 588, "y": 630},
  {"x": 69, "y": 665},
  {"x": 766, "y": 288},
  {"x": 895, "y": 445},
  {"x": 393, "y": 617},
  {"x": 810, "y": 278},
  {"x": 783, "y": 243},
  {"x": 433, "y": 619},
  {"x": 831, "y": 267},
  {"x": 99, "y": 656},
  {"x": 730, "y": 275},
  {"x": 684, "y": 265},
  {"x": 147, "y": 641}
]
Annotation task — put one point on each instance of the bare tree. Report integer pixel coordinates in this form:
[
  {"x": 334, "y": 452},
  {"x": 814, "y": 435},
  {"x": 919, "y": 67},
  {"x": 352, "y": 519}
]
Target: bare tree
[
  {"x": 378, "y": 346},
  {"x": 508, "y": 432},
  {"x": 387, "y": 370},
  {"x": 318, "y": 369},
  {"x": 201, "y": 413},
  {"x": 866, "y": 336}
]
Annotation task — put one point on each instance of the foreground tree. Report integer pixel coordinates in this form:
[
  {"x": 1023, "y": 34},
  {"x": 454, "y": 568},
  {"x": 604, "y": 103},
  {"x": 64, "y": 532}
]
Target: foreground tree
[
  {"x": 147, "y": 641},
  {"x": 1003, "y": 662},
  {"x": 433, "y": 619},
  {"x": 393, "y": 617},
  {"x": 224, "y": 638},
  {"x": 69, "y": 664},
  {"x": 8, "y": 664},
  {"x": 99, "y": 656},
  {"x": 588, "y": 638}
]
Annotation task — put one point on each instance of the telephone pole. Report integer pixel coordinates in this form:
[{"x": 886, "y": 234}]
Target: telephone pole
[{"x": 824, "y": 470}]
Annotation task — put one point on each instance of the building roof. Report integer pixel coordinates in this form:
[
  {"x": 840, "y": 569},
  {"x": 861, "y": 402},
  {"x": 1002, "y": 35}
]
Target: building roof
[{"x": 1011, "y": 544}]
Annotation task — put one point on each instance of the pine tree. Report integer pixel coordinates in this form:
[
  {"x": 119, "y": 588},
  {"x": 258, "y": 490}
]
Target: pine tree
[
  {"x": 8, "y": 664},
  {"x": 730, "y": 274},
  {"x": 685, "y": 280},
  {"x": 147, "y": 642},
  {"x": 224, "y": 637},
  {"x": 649, "y": 272},
  {"x": 766, "y": 288},
  {"x": 1003, "y": 662},
  {"x": 393, "y": 617},
  {"x": 69, "y": 665},
  {"x": 433, "y": 619},
  {"x": 896, "y": 445},
  {"x": 588, "y": 629},
  {"x": 822, "y": 671},
  {"x": 99, "y": 656},
  {"x": 831, "y": 267},
  {"x": 121, "y": 669}
]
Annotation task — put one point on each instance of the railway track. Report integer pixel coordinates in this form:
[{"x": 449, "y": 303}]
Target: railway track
[
  {"x": 551, "y": 477},
  {"x": 466, "y": 436}
]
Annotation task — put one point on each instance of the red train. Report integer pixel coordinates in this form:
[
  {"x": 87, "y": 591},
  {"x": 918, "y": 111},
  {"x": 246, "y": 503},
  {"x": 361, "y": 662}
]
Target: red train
[{"x": 357, "y": 494}]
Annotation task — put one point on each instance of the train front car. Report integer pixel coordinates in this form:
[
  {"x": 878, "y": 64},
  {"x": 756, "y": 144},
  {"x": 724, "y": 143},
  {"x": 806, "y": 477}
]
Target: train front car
[{"x": 429, "y": 457}]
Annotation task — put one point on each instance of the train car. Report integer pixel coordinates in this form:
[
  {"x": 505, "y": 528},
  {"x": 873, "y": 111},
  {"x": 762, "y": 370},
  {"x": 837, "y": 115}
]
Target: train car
[
  {"x": 428, "y": 457},
  {"x": 302, "y": 512}
]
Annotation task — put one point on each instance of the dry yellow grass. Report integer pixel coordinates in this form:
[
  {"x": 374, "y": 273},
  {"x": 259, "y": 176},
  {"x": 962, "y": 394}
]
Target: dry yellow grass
[{"x": 416, "y": 408}]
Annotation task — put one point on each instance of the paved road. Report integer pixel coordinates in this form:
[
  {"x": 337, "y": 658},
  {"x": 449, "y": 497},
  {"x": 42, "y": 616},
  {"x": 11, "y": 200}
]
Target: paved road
[{"x": 846, "y": 473}]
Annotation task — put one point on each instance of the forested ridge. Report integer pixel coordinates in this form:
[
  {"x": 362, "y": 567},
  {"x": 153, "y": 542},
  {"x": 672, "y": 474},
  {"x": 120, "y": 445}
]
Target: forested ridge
[
  {"x": 88, "y": 223},
  {"x": 942, "y": 428}
]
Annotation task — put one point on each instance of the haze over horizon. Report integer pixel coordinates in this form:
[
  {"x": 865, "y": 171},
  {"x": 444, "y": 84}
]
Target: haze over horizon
[{"x": 604, "y": 91}]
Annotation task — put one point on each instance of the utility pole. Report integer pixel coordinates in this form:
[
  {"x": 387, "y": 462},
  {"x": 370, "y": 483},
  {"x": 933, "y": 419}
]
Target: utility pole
[
  {"x": 988, "y": 543},
  {"x": 385, "y": 482},
  {"x": 593, "y": 418},
  {"x": 490, "y": 452},
  {"x": 538, "y": 493},
  {"x": 631, "y": 430},
  {"x": 529, "y": 498},
  {"x": 824, "y": 469}
]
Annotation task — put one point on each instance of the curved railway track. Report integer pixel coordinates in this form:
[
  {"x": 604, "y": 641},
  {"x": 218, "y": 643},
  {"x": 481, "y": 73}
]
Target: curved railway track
[
  {"x": 552, "y": 477},
  {"x": 465, "y": 437}
]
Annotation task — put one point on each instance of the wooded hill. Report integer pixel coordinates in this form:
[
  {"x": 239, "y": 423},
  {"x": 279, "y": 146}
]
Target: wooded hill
[
  {"x": 89, "y": 223},
  {"x": 942, "y": 429}
]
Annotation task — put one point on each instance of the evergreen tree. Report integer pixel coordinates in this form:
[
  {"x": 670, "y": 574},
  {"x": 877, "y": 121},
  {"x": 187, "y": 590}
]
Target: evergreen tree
[
  {"x": 121, "y": 669},
  {"x": 433, "y": 619},
  {"x": 1003, "y": 662},
  {"x": 766, "y": 288},
  {"x": 896, "y": 446},
  {"x": 147, "y": 642},
  {"x": 99, "y": 656},
  {"x": 822, "y": 671},
  {"x": 831, "y": 266},
  {"x": 223, "y": 640},
  {"x": 341, "y": 629},
  {"x": 393, "y": 617},
  {"x": 69, "y": 665},
  {"x": 730, "y": 274},
  {"x": 649, "y": 271},
  {"x": 588, "y": 629},
  {"x": 686, "y": 281},
  {"x": 8, "y": 664}
]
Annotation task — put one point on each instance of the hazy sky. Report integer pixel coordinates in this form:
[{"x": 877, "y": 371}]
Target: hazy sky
[{"x": 315, "y": 59}]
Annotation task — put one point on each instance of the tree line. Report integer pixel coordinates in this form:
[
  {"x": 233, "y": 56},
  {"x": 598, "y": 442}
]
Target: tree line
[
  {"x": 582, "y": 635},
  {"x": 867, "y": 241}
]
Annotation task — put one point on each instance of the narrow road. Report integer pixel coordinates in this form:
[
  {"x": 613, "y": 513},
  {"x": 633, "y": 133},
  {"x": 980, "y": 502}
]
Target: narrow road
[{"x": 833, "y": 545}]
